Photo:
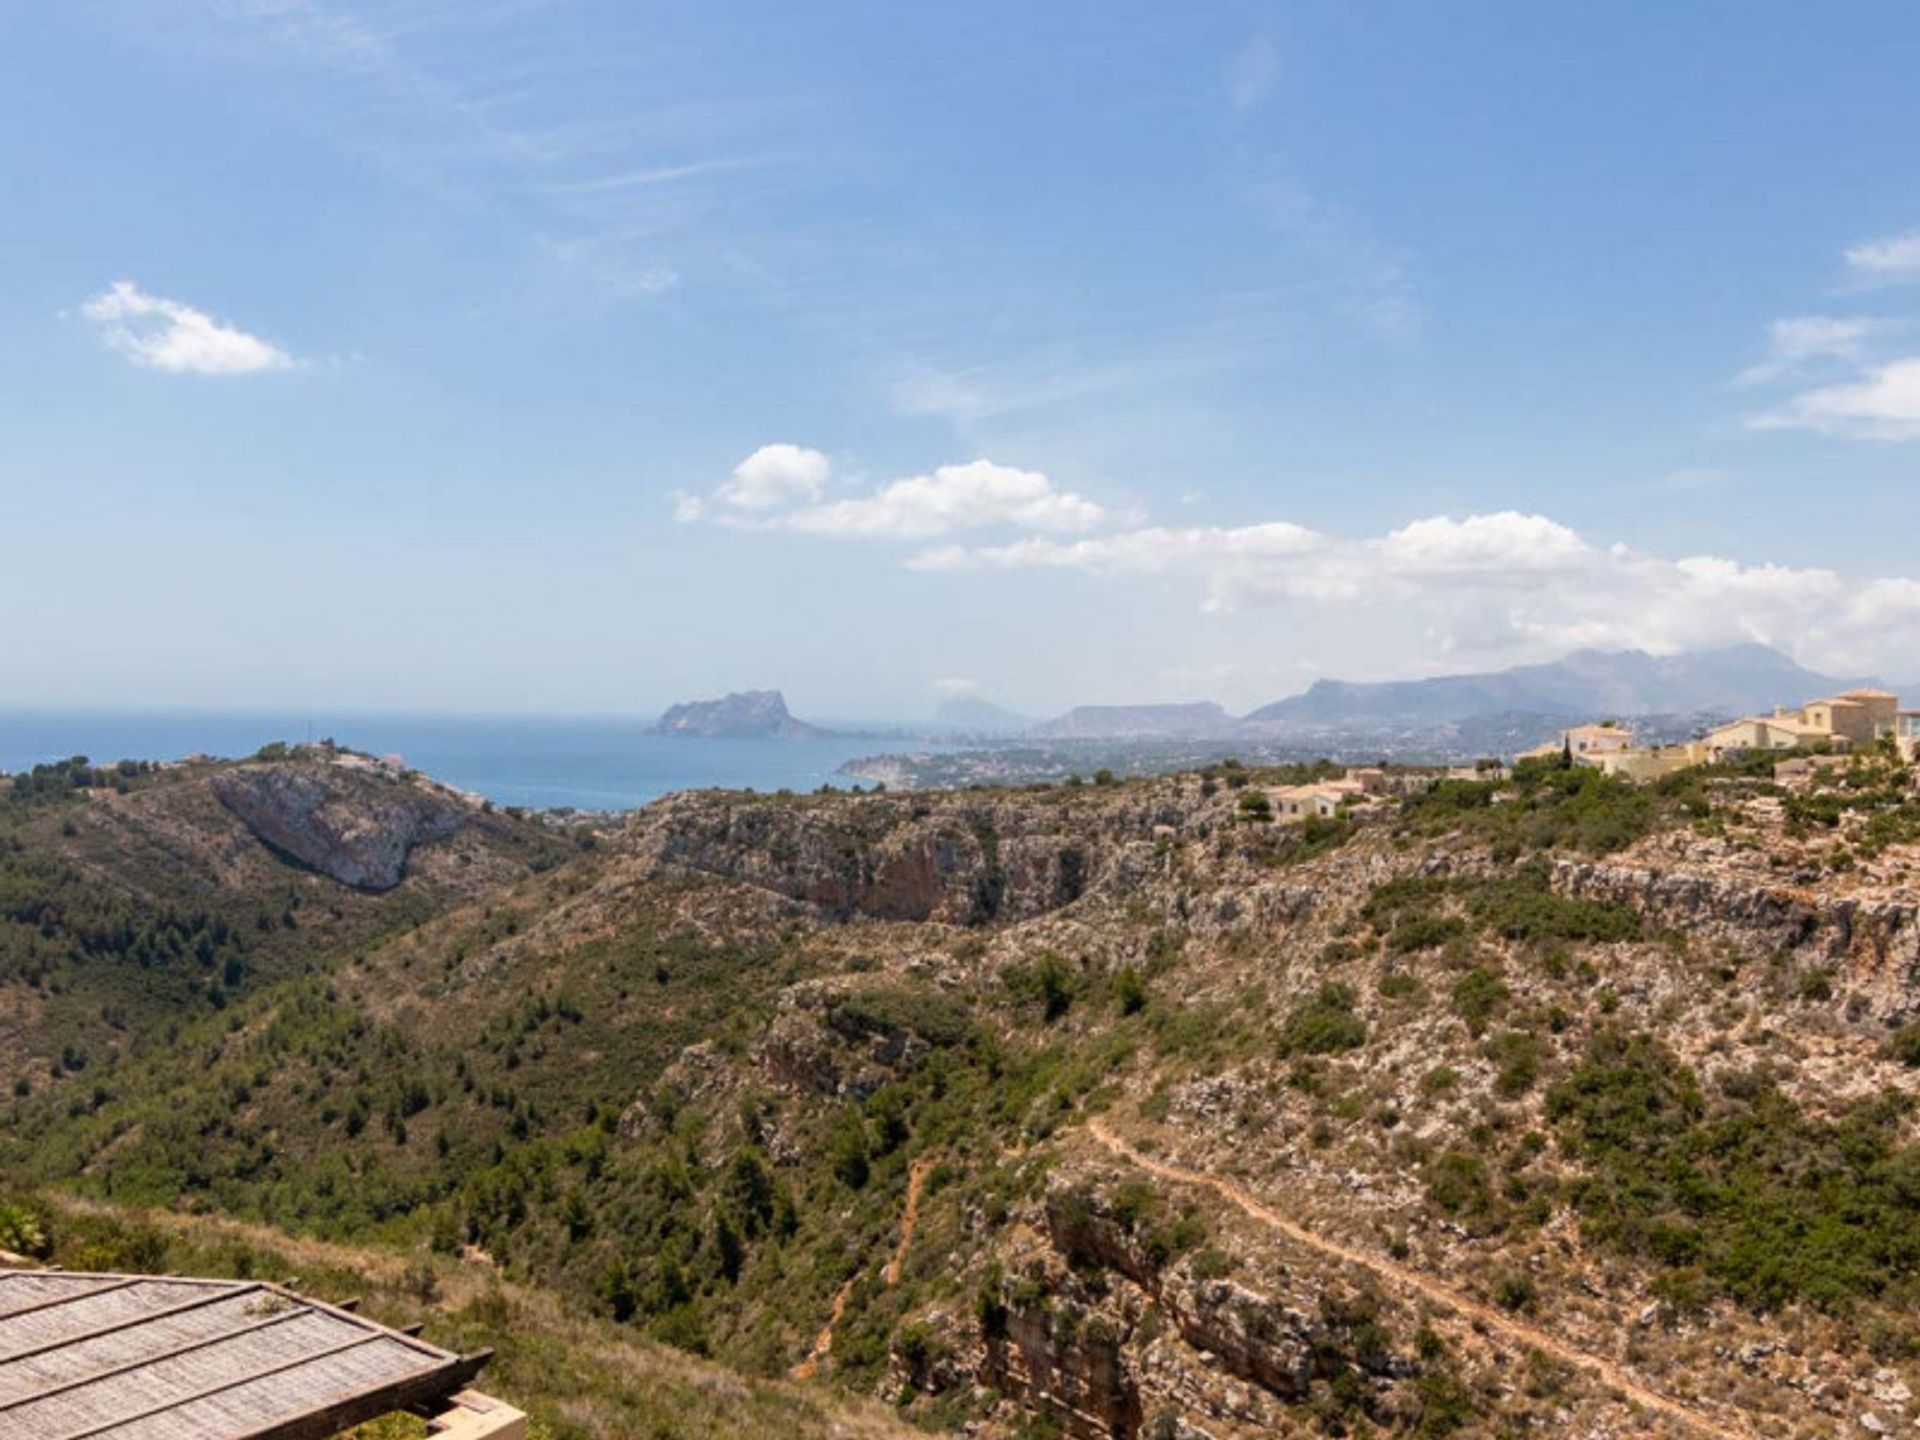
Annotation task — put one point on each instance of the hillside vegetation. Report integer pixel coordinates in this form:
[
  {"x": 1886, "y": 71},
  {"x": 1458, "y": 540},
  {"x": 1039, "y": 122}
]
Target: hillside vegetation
[{"x": 1204, "y": 1124}]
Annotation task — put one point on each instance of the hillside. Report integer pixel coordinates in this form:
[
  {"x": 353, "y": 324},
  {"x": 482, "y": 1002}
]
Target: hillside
[
  {"x": 1544, "y": 1106},
  {"x": 136, "y": 898}
]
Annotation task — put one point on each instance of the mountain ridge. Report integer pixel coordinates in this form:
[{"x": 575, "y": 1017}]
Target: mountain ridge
[
  {"x": 1588, "y": 684},
  {"x": 1592, "y": 683}
]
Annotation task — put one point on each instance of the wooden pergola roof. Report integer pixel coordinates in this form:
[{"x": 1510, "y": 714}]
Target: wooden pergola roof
[{"x": 130, "y": 1357}]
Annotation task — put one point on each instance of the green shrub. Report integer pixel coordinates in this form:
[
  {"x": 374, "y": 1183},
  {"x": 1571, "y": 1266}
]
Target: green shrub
[
  {"x": 1904, "y": 1045},
  {"x": 1523, "y": 906},
  {"x": 23, "y": 1232},
  {"x": 1518, "y": 1055},
  {"x": 1457, "y": 1183},
  {"x": 1324, "y": 1024},
  {"x": 1425, "y": 932},
  {"x": 1477, "y": 996},
  {"x": 1767, "y": 1204}
]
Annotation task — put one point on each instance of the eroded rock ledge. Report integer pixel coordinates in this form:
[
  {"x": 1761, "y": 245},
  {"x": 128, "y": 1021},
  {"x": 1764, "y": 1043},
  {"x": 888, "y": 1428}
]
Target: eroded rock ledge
[{"x": 355, "y": 829}]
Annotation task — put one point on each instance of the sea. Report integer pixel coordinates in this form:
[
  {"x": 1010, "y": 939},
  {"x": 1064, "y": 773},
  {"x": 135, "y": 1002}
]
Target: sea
[{"x": 539, "y": 762}]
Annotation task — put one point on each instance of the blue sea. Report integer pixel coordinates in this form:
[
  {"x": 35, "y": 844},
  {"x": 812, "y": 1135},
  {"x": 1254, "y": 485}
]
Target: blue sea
[{"x": 543, "y": 763}]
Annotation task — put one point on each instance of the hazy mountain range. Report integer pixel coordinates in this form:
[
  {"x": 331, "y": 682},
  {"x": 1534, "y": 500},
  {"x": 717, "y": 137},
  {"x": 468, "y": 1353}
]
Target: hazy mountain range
[
  {"x": 1591, "y": 683},
  {"x": 1586, "y": 685},
  {"x": 1482, "y": 707}
]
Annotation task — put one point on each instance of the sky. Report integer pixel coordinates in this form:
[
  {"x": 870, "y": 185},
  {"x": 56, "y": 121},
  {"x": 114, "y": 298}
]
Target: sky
[{"x": 579, "y": 356}]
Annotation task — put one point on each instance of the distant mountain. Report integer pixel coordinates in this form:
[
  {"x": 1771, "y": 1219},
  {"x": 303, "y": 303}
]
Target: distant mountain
[
  {"x": 1202, "y": 721},
  {"x": 1589, "y": 683},
  {"x": 744, "y": 715},
  {"x": 971, "y": 714}
]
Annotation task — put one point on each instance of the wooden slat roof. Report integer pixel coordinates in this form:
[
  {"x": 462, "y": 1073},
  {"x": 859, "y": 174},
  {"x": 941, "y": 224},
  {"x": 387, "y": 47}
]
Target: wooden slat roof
[{"x": 131, "y": 1357}]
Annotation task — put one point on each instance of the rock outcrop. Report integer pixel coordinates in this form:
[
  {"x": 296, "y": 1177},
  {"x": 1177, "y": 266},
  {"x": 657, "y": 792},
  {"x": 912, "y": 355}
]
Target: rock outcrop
[
  {"x": 948, "y": 860},
  {"x": 744, "y": 715},
  {"x": 354, "y": 828},
  {"x": 1874, "y": 941}
]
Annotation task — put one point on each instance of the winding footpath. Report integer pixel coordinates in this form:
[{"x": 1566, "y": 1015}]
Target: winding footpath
[
  {"x": 1405, "y": 1279},
  {"x": 822, "y": 1348}
]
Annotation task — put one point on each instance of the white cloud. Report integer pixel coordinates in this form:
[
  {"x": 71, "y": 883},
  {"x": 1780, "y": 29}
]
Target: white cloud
[
  {"x": 1795, "y": 343},
  {"x": 163, "y": 334},
  {"x": 781, "y": 486},
  {"x": 1496, "y": 588},
  {"x": 1895, "y": 258},
  {"x": 1882, "y": 404},
  {"x": 1481, "y": 547},
  {"x": 957, "y": 685},
  {"x": 976, "y": 495},
  {"x": 775, "y": 475}
]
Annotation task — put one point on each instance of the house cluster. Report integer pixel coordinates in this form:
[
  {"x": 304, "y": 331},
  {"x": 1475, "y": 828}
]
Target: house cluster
[
  {"x": 1325, "y": 797},
  {"x": 1837, "y": 724}
]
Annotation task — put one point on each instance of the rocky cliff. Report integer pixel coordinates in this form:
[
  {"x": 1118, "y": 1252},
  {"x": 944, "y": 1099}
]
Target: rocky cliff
[
  {"x": 949, "y": 859},
  {"x": 355, "y": 828}
]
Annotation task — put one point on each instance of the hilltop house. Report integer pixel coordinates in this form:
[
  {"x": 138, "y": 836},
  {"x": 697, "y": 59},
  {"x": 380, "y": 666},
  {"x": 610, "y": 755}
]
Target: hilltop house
[
  {"x": 1780, "y": 731},
  {"x": 1854, "y": 717},
  {"x": 1836, "y": 722},
  {"x": 1325, "y": 797},
  {"x": 1586, "y": 743}
]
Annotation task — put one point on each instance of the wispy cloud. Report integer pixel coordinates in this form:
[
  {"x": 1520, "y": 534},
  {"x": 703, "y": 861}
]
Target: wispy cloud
[
  {"x": 441, "y": 97},
  {"x": 650, "y": 178},
  {"x": 1060, "y": 374},
  {"x": 1367, "y": 279},
  {"x": 1250, "y": 74},
  {"x": 1794, "y": 344},
  {"x": 161, "y": 334},
  {"x": 1894, "y": 258},
  {"x": 1865, "y": 392},
  {"x": 1882, "y": 404}
]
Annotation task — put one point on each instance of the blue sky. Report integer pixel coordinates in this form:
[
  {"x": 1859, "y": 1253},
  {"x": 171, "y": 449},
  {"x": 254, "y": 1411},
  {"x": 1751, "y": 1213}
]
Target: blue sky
[{"x": 573, "y": 355}]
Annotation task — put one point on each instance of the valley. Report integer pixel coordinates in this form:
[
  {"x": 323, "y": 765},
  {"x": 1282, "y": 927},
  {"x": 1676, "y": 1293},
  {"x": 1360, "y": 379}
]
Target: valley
[{"x": 1535, "y": 1104}]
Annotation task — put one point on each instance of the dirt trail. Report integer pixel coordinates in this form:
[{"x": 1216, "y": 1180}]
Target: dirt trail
[
  {"x": 909, "y": 1218},
  {"x": 822, "y": 1346},
  {"x": 823, "y": 1342},
  {"x": 1408, "y": 1280}
]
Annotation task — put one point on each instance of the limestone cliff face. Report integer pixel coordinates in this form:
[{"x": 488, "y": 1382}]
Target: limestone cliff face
[
  {"x": 1077, "y": 1374},
  {"x": 351, "y": 827},
  {"x": 1873, "y": 940},
  {"x": 902, "y": 858},
  {"x": 1257, "y": 1338}
]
